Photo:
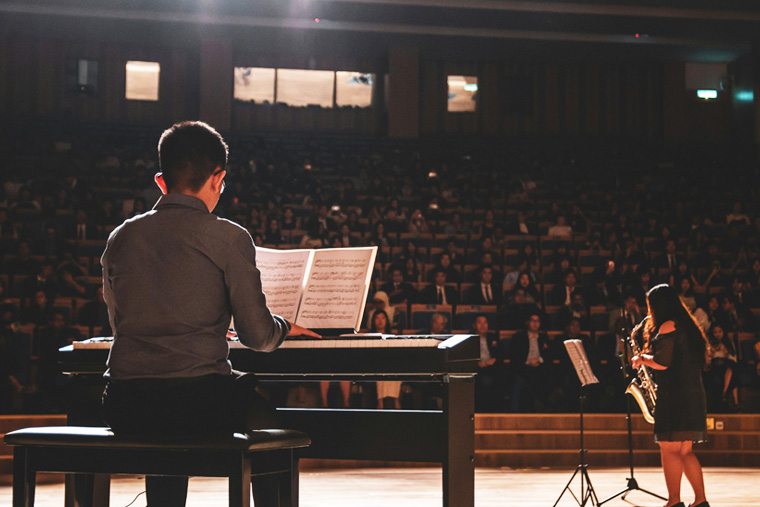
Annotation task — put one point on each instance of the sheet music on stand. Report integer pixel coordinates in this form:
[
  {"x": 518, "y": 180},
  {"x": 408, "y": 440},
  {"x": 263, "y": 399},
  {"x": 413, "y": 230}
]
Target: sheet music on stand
[{"x": 580, "y": 361}]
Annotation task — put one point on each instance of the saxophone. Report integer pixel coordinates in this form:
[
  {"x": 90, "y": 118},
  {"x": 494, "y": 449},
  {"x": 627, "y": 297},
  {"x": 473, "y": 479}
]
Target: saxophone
[{"x": 642, "y": 387}]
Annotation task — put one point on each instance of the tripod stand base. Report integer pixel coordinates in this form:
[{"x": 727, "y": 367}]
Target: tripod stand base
[
  {"x": 631, "y": 486},
  {"x": 588, "y": 495}
]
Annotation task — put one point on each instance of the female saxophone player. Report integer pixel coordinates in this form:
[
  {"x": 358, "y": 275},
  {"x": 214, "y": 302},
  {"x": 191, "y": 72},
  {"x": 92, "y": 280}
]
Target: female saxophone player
[{"x": 675, "y": 347}]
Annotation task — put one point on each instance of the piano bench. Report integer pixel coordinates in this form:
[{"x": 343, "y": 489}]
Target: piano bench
[{"x": 90, "y": 451}]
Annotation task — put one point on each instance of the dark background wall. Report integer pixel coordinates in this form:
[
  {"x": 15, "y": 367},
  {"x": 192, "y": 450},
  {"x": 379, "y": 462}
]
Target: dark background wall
[{"x": 526, "y": 89}]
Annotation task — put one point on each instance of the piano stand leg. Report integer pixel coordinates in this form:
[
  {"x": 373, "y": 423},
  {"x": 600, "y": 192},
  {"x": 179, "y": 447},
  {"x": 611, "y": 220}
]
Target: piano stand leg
[{"x": 459, "y": 464}]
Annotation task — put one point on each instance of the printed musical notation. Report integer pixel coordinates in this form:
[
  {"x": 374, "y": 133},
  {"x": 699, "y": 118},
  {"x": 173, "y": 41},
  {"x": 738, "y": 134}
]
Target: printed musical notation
[
  {"x": 282, "y": 275},
  {"x": 317, "y": 289}
]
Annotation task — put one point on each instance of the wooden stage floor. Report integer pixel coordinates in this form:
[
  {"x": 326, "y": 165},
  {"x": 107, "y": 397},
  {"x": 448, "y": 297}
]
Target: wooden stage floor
[{"x": 420, "y": 487}]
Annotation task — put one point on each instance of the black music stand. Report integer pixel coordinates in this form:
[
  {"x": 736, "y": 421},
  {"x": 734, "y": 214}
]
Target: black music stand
[
  {"x": 586, "y": 376},
  {"x": 631, "y": 484}
]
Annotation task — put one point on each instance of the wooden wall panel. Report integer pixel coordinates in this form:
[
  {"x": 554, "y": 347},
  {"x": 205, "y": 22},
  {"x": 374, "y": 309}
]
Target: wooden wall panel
[
  {"x": 591, "y": 116},
  {"x": 551, "y": 99}
]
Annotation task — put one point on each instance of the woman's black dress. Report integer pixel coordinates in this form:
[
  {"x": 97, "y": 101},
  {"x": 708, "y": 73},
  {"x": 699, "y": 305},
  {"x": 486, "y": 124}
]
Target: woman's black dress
[{"x": 680, "y": 412}]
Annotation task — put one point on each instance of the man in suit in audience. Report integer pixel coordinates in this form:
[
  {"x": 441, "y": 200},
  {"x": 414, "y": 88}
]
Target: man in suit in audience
[
  {"x": 398, "y": 290},
  {"x": 485, "y": 292},
  {"x": 438, "y": 293},
  {"x": 562, "y": 293},
  {"x": 528, "y": 357},
  {"x": 488, "y": 385},
  {"x": 670, "y": 259}
]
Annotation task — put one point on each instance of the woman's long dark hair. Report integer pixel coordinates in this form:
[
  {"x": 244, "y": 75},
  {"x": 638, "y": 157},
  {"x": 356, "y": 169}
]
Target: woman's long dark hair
[
  {"x": 373, "y": 329},
  {"x": 664, "y": 305}
]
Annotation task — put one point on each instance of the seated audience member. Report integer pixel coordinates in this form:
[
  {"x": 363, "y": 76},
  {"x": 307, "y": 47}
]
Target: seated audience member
[
  {"x": 439, "y": 324},
  {"x": 576, "y": 309},
  {"x": 643, "y": 283},
  {"x": 44, "y": 280},
  {"x": 526, "y": 282},
  {"x": 380, "y": 301},
  {"x": 517, "y": 311},
  {"x": 38, "y": 311},
  {"x": 84, "y": 228},
  {"x": 457, "y": 258},
  {"x": 273, "y": 233},
  {"x": 412, "y": 273},
  {"x": 520, "y": 226},
  {"x": 489, "y": 223},
  {"x": 485, "y": 247},
  {"x": 485, "y": 292},
  {"x": 410, "y": 251},
  {"x": 380, "y": 236},
  {"x": 387, "y": 391},
  {"x": 94, "y": 314},
  {"x": 561, "y": 229},
  {"x": 531, "y": 376},
  {"x": 327, "y": 223},
  {"x": 444, "y": 262},
  {"x": 562, "y": 293},
  {"x": 69, "y": 286},
  {"x": 7, "y": 228},
  {"x": 49, "y": 339},
  {"x": 68, "y": 263},
  {"x": 709, "y": 313},
  {"x": 438, "y": 293},
  {"x": 623, "y": 320},
  {"x": 488, "y": 388},
  {"x": 398, "y": 290},
  {"x": 11, "y": 380},
  {"x": 456, "y": 226},
  {"x": 22, "y": 263},
  {"x": 602, "y": 291},
  {"x": 528, "y": 257},
  {"x": 289, "y": 219},
  {"x": 314, "y": 237},
  {"x": 735, "y": 317},
  {"x": 417, "y": 223},
  {"x": 671, "y": 258},
  {"x": 345, "y": 238},
  {"x": 737, "y": 217},
  {"x": 560, "y": 266},
  {"x": 721, "y": 384},
  {"x": 686, "y": 293}
]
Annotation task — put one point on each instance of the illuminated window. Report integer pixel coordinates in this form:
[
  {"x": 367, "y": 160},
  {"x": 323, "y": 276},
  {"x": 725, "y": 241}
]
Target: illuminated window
[
  {"x": 142, "y": 80},
  {"x": 463, "y": 93},
  {"x": 305, "y": 87},
  {"x": 254, "y": 84},
  {"x": 353, "y": 89}
]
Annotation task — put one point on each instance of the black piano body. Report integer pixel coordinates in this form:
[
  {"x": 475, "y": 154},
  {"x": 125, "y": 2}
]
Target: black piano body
[{"x": 443, "y": 436}]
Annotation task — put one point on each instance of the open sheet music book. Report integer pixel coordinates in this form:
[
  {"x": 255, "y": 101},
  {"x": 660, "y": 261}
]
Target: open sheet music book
[
  {"x": 578, "y": 356},
  {"x": 318, "y": 289}
]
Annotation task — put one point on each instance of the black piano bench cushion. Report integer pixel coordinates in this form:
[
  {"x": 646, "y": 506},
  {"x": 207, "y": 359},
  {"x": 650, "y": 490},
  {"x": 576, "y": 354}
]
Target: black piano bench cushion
[{"x": 83, "y": 436}]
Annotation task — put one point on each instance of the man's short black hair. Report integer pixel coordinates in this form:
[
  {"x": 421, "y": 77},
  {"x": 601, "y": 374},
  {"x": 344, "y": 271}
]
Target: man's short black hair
[{"x": 188, "y": 153}]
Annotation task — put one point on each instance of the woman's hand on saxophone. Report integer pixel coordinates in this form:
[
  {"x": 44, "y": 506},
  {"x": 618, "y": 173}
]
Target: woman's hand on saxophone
[{"x": 637, "y": 362}]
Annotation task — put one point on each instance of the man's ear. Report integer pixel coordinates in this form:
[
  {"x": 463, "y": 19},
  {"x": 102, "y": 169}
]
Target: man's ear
[
  {"x": 217, "y": 178},
  {"x": 159, "y": 179}
]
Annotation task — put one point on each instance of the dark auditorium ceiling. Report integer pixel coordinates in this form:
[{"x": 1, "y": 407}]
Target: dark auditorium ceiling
[{"x": 694, "y": 30}]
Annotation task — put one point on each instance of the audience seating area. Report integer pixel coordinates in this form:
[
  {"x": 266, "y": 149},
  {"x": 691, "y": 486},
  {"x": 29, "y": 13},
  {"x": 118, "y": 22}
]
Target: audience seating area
[{"x": 567, "y": 233}]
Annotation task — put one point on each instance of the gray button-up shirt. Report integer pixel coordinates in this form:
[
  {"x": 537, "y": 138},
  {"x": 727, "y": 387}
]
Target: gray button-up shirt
[{"x": 172, "y": 277}]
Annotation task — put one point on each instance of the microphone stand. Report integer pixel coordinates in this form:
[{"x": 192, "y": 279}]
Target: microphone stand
[{"x": 632, "y": 484}]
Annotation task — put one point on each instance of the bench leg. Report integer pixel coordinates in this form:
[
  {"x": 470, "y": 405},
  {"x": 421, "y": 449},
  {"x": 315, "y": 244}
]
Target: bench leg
[
  {"x": 288, "y": 484},
  {"x": 240, "y": 484},
  {"x": 24, "y": 479}
]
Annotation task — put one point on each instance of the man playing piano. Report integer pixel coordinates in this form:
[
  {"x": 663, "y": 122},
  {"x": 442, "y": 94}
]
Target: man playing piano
[{"x": 172, "y": 278}]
